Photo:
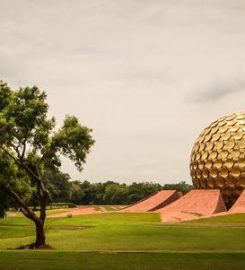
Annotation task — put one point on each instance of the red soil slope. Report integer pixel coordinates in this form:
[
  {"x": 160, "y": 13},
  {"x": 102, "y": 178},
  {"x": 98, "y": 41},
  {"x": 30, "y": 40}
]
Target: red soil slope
[
  {"x": 239, "y": 205},
  {"x": 154, "y": 202},
  {"x": 195, "y": 204},
  {"x": 86, "y": 210}
]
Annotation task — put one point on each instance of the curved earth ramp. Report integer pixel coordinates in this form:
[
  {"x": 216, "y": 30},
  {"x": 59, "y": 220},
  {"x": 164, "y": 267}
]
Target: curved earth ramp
[
  {"x": 154, "y": 202},
  {"x": 239, "y": 205},
  {"x": 195, "y": 204}
]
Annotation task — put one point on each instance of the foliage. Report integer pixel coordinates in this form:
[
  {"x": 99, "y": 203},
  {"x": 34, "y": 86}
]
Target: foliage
[{"x": 181, "y": 186}]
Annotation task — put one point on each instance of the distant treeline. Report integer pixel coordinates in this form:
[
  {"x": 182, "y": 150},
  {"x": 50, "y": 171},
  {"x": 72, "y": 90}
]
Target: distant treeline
[
  {"x": 63, "y": 190},
  {"x": 117, "y": 193}
]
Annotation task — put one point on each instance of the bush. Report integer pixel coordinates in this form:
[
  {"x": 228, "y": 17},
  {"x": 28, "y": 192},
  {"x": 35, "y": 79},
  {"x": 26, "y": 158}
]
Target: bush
[{"x": 71, "y": 205}]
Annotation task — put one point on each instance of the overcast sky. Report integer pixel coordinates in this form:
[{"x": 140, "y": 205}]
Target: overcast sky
[{"x": 146, "y": 75}]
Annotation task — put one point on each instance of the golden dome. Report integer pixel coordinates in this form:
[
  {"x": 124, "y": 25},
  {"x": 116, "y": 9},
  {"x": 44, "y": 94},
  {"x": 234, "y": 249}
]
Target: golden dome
[{"x": 218, "y": 157}]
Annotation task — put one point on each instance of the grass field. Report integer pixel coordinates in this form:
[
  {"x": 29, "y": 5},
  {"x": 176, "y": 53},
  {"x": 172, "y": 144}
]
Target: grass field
[
  {"x": 120, "y": 261},
  {"x": 126, "y": 241}
]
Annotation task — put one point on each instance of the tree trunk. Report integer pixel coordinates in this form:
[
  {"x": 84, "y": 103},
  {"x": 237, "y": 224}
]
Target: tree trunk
[
  {"x": 40, "y": 234},
  {"x": 29, "y": 213}
]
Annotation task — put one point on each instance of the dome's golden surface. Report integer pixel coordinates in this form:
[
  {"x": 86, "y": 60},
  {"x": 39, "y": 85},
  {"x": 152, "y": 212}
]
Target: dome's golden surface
[{"x": 218, "y": 157}]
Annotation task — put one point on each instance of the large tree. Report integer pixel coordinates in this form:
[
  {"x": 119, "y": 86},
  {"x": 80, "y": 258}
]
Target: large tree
[{"x": 30, "y": 145}]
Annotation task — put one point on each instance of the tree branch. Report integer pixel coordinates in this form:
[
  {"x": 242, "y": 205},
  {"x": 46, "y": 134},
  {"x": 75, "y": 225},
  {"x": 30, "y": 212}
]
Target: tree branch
[
  {"x": 43, "y": 196},
  {"x": 41, "y": 190},
  {"x": 9, "y": 154},
  {"x": 24, "y": 213},
  {"x": 24, "y": 149},
  {"x": 24, "y": 208},
  {"x": 20, "y": 163}
]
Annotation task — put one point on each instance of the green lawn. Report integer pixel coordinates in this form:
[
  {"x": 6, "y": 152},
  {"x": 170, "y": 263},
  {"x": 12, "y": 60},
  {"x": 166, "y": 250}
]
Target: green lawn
[
  {"x": 120, "y": 261},
  {"x": 233, "y": 220},
  {"x": 139, "y": 240}
]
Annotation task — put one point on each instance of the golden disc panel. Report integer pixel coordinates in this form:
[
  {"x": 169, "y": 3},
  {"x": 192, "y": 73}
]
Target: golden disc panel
[
  {"x": 218, "y": 164},
  {"x": 241, "y": 164},
  {"x": 209, "y": 146},
  {"x": 241, "y": 144},
  {"x": 215, "y": 137},
  {"x": 229, "y": 163},
  {"x": 239, "y": 135},
  {"x": 218, "y": 157},
  {"x": 219, "y": 145},
  {"x": 211, "y": 183},
  {"x": 242, "y": 122},
  {"x": 230, "y": 144},
  {"x": 235, "y": 172},
  {"x": 234, "y": 128},
  {"x": 241, "y": 183},
  {"x": 213, "y": 155},
  {"x": 223, "y": 154}
]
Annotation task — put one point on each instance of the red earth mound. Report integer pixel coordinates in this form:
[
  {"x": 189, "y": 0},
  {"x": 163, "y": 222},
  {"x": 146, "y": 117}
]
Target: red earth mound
[
  {"x": 86, "y": 210},
  {"x": 239, "y": 205},
  {"x": 195, "y": 204},
  {"x": 154, "y": 202}
]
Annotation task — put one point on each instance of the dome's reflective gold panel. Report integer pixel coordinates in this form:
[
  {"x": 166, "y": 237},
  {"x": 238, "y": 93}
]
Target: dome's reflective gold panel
[{"x": 218, "y": 157}]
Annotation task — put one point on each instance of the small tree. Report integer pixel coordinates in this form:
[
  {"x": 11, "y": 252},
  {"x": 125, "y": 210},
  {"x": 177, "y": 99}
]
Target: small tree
[{"x": 29, "y": 145}]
